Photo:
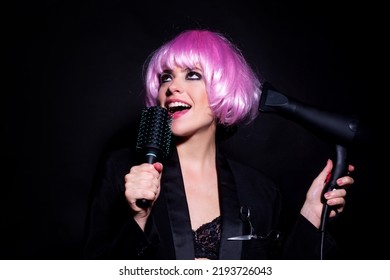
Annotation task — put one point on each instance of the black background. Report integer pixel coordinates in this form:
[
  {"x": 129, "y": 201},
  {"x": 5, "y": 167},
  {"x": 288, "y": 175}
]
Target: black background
[{"x": 73, "y": 90}]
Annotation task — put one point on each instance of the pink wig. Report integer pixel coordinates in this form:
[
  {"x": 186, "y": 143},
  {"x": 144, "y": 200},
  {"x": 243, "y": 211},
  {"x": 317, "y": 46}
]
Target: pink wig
[{"x": 233, "y": 88}]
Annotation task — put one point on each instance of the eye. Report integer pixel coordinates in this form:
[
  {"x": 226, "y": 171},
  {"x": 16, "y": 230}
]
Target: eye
[
  {"x": 165, "y": 77},
  {"x": 192, "y": 75}
]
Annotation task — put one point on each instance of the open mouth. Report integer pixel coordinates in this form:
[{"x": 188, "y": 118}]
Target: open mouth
[{"x": 175, "y": 107}]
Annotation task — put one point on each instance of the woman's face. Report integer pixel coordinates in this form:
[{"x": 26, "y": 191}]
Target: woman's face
[{"x": 183, "y": 93}]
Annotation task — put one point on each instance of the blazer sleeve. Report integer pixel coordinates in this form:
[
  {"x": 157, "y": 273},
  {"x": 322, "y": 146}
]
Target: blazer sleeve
[
  {"x": 111, "y": 231},
  {"x": 304, "y": 242}
]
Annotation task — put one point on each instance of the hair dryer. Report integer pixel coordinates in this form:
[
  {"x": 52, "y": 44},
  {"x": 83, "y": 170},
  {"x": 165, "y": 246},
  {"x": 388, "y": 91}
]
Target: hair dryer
[{"x": 336, "y": 128}]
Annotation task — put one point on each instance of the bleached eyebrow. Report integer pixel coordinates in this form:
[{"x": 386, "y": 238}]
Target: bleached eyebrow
[{"x": 195, "y": 68}]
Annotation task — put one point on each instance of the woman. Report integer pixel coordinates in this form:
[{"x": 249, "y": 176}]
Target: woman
[{"x": 201, "y": 200}]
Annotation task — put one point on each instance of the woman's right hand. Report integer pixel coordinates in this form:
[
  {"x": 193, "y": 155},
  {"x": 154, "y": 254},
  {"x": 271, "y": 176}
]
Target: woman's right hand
[{"x": 143, "y": 182}]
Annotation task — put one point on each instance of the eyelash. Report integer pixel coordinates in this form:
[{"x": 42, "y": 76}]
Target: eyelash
[{"x": 197, "y": 75}]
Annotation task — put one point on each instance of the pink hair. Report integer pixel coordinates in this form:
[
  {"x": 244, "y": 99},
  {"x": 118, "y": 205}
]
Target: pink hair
[{"x": 233, "y": 88}]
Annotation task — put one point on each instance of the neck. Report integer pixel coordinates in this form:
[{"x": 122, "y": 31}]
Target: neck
[{"x": 197, "y": 150}]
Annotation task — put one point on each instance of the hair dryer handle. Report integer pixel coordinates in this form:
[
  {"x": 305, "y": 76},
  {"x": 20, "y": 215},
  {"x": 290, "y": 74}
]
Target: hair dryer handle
[{"x": 340, "y": 168}]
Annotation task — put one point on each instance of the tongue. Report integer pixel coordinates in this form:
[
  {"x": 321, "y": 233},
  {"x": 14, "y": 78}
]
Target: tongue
[{"x": 178, "y": 114}]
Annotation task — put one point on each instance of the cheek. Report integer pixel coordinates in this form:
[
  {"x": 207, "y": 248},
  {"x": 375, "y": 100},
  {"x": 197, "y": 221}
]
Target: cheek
[
  {"x": 206, "y": 103},
  {"x": 201, "y": 95},
  {"x": 161, "y": 97}
]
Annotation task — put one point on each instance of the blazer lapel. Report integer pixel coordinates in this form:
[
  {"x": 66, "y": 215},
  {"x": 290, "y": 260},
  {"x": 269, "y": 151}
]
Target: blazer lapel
[
  {"x": 176, "y": 201},
  {"x": 232, "y": 225}
]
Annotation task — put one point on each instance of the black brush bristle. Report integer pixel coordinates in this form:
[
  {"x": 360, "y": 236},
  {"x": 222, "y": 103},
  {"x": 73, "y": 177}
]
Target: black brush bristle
[{"x": 154, "y": 134}]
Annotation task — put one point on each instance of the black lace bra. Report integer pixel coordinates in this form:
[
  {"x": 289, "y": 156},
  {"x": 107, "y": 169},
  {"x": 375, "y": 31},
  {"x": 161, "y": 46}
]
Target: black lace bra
[{"x": 207, "y": 239}]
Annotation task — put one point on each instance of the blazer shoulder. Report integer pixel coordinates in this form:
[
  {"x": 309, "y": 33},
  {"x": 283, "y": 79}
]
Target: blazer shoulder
[
  {"x": 250, "y": 172},
  {"x": 119, "y": 158}
]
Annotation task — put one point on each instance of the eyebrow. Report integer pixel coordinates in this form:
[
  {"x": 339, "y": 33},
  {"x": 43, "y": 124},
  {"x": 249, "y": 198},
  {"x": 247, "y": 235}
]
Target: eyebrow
[{"x": 169, "y": 71}]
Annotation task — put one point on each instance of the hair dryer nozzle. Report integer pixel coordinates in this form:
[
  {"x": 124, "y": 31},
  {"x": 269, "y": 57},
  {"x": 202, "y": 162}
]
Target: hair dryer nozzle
[{"x": 339, "y": 128}]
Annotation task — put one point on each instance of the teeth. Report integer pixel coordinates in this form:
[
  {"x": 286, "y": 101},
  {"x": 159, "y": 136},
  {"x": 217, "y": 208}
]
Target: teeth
[{"x": 178, "y": 104}]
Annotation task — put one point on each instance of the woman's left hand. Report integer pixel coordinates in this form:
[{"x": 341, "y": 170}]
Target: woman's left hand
[{"x": 312, "y": 207}]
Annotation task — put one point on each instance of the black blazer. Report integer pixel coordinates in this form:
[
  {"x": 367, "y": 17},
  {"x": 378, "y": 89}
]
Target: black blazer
[{"x": 112, "y": 233}]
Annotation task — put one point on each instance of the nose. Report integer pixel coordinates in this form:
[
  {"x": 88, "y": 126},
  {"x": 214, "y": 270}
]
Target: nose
[{"x": 174, "y": 88}]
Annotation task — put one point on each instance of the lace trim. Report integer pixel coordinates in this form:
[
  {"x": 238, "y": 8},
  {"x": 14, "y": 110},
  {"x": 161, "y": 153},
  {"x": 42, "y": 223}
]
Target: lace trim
[{"x": 207, "y": 239}]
